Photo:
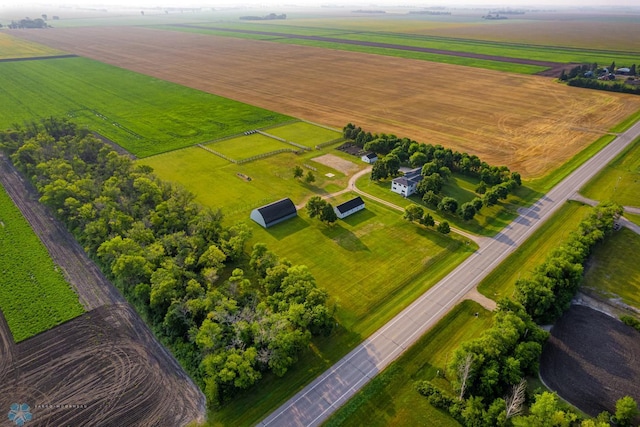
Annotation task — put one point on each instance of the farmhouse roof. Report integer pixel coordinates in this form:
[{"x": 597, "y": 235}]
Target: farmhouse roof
[
  {"x": 347, "y": 206},
  {"x": 277, "y": 210},
  {"x": 413, "y": 176}
]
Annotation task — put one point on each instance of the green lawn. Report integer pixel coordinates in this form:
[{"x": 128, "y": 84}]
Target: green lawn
[
  {"x": 633, "y": 218},
  {"x": 501, "y": 281},
  {"x": 246, "y": 146},
  {"x": 216, "y": 183},
  {"x": 144, "y": 115},
  {"x": 619, "y": 181},
  {"x": 390, "y": 399},
  {"x": 613, "y": 270},
  {"x": 34, "y": 296},
  {"x": 305, "y": 134}
]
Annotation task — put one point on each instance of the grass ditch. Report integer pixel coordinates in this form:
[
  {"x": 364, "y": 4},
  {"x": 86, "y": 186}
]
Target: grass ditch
[
  {"x": 34, "y": 296},
  {"x": 619, "y": 181},
  {"x": 391, "y": 398},
  {"x": 611, "y": 273},
  {"x": 501, "y": 281}
]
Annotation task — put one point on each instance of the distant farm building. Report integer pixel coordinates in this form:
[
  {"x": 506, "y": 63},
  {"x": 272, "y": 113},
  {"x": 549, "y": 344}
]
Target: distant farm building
[
  {"x": 347, "y": 208},
  {"x": 274, "y": 213},
  {"x": 369, "y": 157},
  {"x": 407, "y": 184}
]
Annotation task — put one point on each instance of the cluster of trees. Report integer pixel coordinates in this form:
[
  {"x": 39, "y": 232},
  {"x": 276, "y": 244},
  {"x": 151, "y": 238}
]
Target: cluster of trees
[
  {"x": 29, "y": 23},
  {"x": 591, "y": 76},
  {"x": 317, "y": 207},
  {"x": 548, "y": 292},
  {"x": 437, "y": 163},
  {"x": 488, "y": 372},
  {"x": 417, "y": 213},
  {"x": 298, "y": 173},
  {"x": 174, "y": 260}
]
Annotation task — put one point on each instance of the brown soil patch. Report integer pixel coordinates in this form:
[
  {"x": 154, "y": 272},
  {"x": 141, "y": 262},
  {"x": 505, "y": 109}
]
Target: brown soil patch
[
  {"x": 529, "y": 123},
  {"x": 103, "y": 368},
  {"x": 337, "y": 163},
  {"x": 592, "y": 360}
]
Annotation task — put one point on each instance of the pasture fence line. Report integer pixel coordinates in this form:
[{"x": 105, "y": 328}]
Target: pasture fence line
[
  {"x": 326, "y": 144},
  {"x": 277, "y": 138},
  {"x": 263, "y": 155},
  {"x": 322, "y": 126},
  {"x": 313, "y": 168},
  {"x": 218, "y": 154}
]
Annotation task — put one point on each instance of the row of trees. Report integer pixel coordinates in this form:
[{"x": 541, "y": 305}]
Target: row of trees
[
  {"x": 227, "y": 317},
  {"x": 488, "y": 371},
  {"x": 548, "y": 292},
  {"x": 437, "y": 165},
  {"x": 414, "y": 154},
  {"x": 611, "y": 87},
  {"x": 416, "y": 213}
]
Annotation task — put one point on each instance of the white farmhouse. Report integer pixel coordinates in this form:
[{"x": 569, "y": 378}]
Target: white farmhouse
[{"x": 407, "y": 184}]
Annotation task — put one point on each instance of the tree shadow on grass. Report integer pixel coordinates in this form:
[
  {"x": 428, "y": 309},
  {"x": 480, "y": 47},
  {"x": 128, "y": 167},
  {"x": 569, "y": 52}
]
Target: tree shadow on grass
[
  {"x": 359, "y": 217},
  {"x": 343, "y": 237},
  {"x": 287, "y": 228}
]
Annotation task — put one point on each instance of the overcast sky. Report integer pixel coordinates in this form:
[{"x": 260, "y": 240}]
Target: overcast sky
[{"x": 372, "y": 3}]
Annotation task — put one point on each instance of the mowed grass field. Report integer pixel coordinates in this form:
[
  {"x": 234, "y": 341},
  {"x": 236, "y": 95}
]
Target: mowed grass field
[
  {"x": 34, "y": 297},
  {"x": 142, "y": 114},
  {"x": 504, "y": 118},
  {"x": 246, "y": 146},
  {"x": 620, "y": 181},
  {"x": 306, "y": 134},
  {"x": 12, "y": 47},
  {"x": 391, "y": 397},
  {"x": 501, "y": 281},
  {"x": 612, "y": 271}
]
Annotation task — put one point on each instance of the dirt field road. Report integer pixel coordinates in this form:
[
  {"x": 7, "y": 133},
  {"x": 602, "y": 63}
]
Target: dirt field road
[{"x": 93, "y": 289}]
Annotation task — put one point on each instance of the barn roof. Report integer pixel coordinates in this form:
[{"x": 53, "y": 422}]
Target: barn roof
[
  {"x": 277, "y": 210},
  {"x": 370, "y": 155},
  {"x": 347, "y": 206}
]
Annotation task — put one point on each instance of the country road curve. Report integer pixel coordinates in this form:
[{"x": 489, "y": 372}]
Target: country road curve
[{"x": 320, "y": 398}]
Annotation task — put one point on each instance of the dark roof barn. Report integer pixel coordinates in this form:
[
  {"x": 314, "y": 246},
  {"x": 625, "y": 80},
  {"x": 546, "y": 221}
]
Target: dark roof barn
[{"x": 274, "y": 213}]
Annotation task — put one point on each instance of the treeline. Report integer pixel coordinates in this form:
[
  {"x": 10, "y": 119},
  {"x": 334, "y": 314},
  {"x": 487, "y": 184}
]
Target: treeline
[
  {"x": 437, "y": 163},
  {"x": 549, "y": 291},
  {"x": 611, "y": 87},
  {"x": 174, "y": 260},
  {"x": 488, "y": 372}
]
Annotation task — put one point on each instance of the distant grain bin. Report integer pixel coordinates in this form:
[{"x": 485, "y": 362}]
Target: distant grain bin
[{"x": 274, "y": 213}]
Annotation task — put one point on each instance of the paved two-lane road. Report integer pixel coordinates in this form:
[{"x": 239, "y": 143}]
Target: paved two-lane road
[{"x": 318, "y": 400}]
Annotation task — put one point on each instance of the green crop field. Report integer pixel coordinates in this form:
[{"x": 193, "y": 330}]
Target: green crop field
[
  {"x": 613, "y": 271},
  {"x": 305, "y": 134},
  {"x": 620, "y": 181},
  {"x": 34, "y": 296},
  {"x": 246, "y": 146},
  {"x": 144, "y": 115},
  {"x": 391, "y": 397},
  {"x": 501, "y": 281}
]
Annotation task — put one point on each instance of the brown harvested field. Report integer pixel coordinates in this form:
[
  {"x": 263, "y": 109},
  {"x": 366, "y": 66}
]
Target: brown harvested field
[
  {"x": 592, "y": 360},
  {"x": 103, "y": 368},
  {"x": 529, "y": 123}
]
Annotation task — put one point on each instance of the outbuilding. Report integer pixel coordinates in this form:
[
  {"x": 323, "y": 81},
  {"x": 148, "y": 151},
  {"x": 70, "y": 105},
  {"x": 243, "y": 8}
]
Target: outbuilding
[
  {"x": 274, "y": 213},
  {"x": 347, "y": 208},
  {"x": 369, "y": 157}
]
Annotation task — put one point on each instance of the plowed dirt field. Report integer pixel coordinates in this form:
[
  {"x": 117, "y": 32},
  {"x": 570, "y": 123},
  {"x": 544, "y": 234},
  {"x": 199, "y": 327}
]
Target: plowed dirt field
[{"x": 529, "y": 123}]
